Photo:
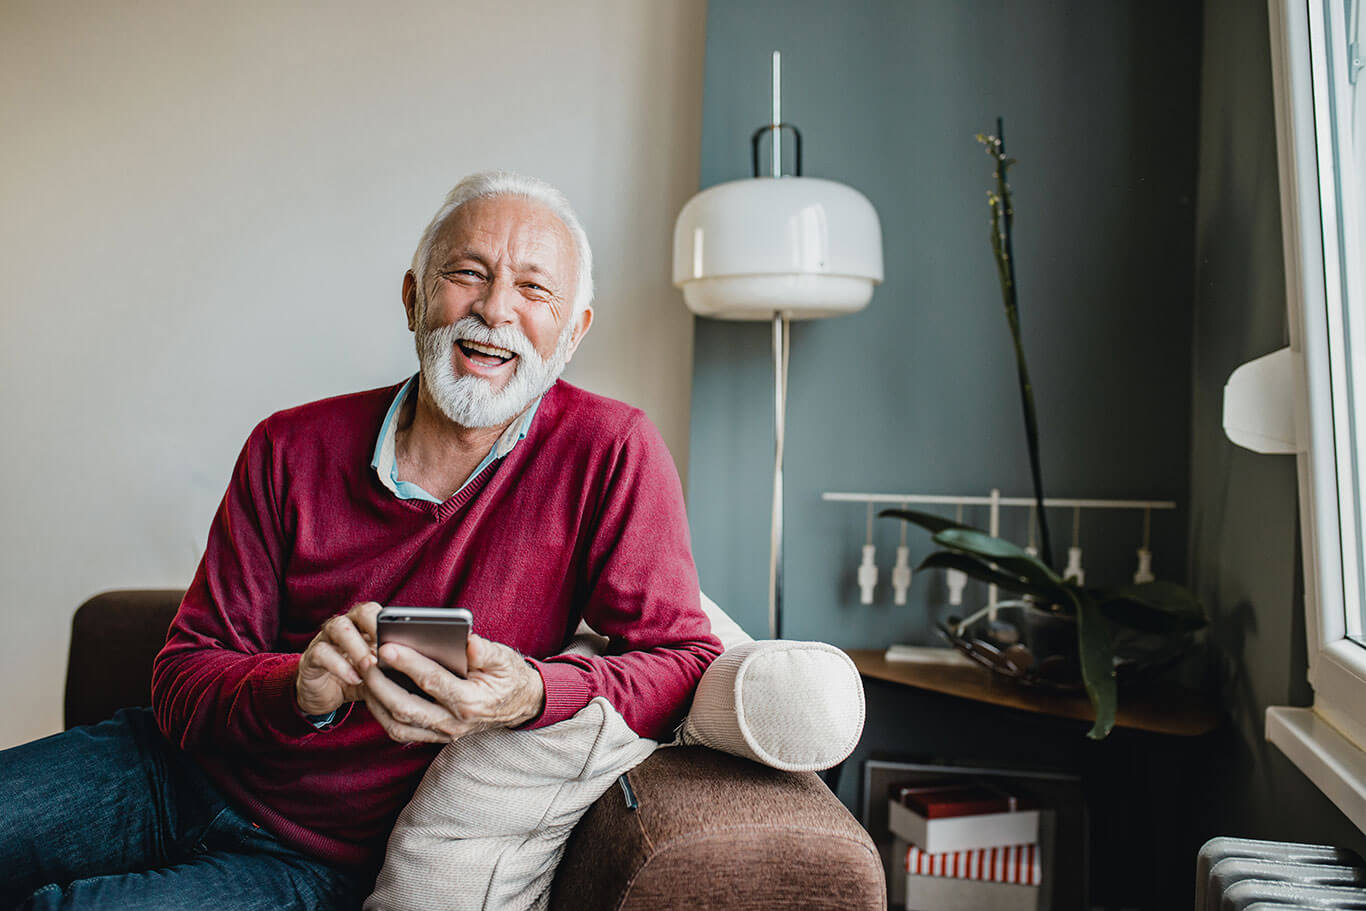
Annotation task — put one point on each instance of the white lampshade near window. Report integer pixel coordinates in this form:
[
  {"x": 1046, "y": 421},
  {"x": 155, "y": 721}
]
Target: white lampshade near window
[{"x": 777, "y": 248}]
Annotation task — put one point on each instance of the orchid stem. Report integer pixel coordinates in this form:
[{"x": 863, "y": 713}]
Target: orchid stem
[{"x": 1002, "y": 226}]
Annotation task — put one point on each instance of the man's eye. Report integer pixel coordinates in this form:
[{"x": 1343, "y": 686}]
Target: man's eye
[{"x": 466, "y": 274}]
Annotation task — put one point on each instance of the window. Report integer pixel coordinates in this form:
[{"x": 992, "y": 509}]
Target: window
[
  {"x": 1321, "y": 125},
  {"x": 1347, "y": 105},
  {"x": 1340, "y": 110}
]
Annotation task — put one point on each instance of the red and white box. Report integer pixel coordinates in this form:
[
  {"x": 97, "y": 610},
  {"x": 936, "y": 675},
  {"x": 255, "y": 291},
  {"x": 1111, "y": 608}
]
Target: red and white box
[
  {"x": 947, "y": 818},
  {"x": 1001, "y": 878},
  {"x": 1019, "y": 864}
]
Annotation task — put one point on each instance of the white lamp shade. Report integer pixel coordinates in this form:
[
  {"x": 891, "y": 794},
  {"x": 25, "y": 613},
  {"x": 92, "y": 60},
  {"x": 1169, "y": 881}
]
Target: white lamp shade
[{"x": 802, "y": 246}]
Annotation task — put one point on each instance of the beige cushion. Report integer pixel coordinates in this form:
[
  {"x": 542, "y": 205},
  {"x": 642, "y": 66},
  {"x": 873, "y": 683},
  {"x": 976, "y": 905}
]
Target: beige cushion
[
  {"x": 490, "y": 819},
  {"x": 796, "y": 706}
]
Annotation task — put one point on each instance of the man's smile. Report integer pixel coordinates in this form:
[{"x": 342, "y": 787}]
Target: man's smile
[{"x": 485, "y": 355}]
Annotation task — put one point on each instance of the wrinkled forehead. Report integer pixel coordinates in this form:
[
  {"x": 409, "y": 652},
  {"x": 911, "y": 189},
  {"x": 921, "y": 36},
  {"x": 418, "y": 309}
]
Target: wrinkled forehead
[{"x": 508, "y": 232}]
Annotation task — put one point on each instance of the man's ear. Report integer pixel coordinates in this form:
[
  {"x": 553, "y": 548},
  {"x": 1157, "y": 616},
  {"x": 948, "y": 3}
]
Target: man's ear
[
  {"x": 584, "y": 320},
  {"x": 410, "y": 298}
]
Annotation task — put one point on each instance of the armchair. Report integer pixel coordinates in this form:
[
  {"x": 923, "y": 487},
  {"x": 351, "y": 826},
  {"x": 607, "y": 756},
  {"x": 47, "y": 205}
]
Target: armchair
[{"x": 711, "y": 831}]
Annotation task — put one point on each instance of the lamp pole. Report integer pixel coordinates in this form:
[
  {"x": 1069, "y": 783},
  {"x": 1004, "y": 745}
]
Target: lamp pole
[
  {"x": 761, "y": 250},
  {"x": 775, "y": 564},
  {"x": 780, "y": 348}
]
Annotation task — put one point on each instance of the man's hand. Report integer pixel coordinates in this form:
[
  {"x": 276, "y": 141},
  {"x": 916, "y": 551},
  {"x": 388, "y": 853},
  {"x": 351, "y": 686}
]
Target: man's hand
[
  {"x": 340, "y": 666},
  {"x": 500, "y": 690},
  {"x": 330, "y": 669}
]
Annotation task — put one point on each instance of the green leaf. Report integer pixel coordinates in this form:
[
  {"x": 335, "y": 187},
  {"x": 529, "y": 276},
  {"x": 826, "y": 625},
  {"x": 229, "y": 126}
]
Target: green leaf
[
  {"x": 926, "y": 520},
  {"x": 1094, "y": 638},
  {"x": 1005, "y": 554},
  {"x": 1154, "y": 607},
  {"x": 983, "y": 571}
]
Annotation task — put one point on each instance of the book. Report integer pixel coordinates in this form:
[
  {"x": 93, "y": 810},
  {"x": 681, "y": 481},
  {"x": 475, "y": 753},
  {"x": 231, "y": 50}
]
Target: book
[
  {"x": 943, "y": 818},
  {"x": 972, "y": 798},
  {"x": 929, "y": 654}
]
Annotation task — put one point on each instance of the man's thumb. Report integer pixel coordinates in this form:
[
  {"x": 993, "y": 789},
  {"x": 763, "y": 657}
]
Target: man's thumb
[{"x": 479, "y": 652}]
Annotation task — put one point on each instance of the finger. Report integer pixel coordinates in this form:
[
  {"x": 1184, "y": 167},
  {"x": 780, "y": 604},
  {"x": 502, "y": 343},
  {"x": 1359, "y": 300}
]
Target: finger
[
  {"x": 485, "y": 654},
  {"x": 460, "y": 707},
  {"x": 401, "y": 731},
  {"x": 324, "y": 656},
  {"x": 472, "y": 704},
  {"x": 476, "y": 654},
  {"x": 364, "y": 616},
  {"x": 405, "y": 707},
  {"x": 342, "y": 632},
  {"x": 434, "y": 679}
]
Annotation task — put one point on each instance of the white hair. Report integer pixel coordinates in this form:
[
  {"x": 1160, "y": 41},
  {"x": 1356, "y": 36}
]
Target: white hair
[{"x": 496, "y": 184}]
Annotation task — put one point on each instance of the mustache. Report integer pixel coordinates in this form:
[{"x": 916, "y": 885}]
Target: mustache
[{"x": 472, "y": 328}]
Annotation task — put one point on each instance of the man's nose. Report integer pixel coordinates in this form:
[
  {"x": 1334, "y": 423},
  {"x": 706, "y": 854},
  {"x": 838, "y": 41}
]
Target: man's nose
[{"x": 497, "y": 307}]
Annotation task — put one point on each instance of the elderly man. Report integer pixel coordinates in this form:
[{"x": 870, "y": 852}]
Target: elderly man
[{"x": 280, "y": 754}]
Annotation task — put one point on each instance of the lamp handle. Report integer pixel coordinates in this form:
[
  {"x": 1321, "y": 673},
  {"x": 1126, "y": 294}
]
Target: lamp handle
[{"x": 797, "y": 146}]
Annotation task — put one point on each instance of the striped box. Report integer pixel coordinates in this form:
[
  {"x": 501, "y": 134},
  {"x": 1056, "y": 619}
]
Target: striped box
[
  {"x": 1019, "y": 864},
  {"x": 914, "y": 891}
]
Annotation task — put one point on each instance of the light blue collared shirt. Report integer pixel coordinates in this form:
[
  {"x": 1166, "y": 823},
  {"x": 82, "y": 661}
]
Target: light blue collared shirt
[{"x": 385, "y": 461}]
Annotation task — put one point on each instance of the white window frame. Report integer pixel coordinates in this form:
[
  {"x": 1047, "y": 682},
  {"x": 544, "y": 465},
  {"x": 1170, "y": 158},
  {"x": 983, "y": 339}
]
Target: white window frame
[{"x": 1316, "y": 232}]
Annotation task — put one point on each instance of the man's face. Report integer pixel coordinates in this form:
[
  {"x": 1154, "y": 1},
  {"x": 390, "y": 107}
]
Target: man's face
[{"x": 494, "y": 317}]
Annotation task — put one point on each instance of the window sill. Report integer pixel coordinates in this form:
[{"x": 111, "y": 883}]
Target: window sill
[{"x": 1335, "y": 765}]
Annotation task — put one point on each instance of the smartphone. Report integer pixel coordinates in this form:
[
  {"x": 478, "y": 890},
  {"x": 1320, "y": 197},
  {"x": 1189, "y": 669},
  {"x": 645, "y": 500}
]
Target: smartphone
[{"x": 439, "y": 633}]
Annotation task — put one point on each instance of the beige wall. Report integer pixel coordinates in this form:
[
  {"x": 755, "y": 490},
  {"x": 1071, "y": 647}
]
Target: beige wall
[{"x": 205, "y": 214}]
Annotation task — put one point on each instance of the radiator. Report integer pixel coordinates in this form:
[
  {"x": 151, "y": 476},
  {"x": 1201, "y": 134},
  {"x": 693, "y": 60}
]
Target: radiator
[{"x": 1234, "y": 874}]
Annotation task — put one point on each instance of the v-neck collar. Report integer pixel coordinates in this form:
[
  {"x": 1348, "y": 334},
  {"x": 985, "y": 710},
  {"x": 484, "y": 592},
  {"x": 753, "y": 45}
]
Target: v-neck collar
[{"x": 385, "y": 459}]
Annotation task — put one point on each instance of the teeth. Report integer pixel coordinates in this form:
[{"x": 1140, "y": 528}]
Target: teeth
[{"x": 492, "y": 350}]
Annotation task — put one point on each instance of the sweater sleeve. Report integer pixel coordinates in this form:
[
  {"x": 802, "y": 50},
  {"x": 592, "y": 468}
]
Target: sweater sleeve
[
  {"x": 216, "y": 683},
  {"x": 642, "y": 594}
]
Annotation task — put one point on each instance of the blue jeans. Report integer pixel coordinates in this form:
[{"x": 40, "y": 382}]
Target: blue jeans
[{"x": 114, "y": 816}]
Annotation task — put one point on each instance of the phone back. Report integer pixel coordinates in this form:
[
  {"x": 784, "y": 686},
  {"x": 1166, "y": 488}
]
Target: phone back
[{"x": 439, "y": 633}]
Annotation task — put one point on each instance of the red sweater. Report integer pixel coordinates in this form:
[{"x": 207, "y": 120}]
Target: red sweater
[{"x": 582, "y": 519}]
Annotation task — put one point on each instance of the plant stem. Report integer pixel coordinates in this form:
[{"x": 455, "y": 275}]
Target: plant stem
[{"x": 1002, "y": 224}]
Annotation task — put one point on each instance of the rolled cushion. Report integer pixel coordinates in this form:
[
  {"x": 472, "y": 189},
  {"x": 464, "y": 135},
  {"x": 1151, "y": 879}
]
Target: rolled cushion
[
  {"x": 489, "y": 822},
  {"x": 795, "y": 706}
]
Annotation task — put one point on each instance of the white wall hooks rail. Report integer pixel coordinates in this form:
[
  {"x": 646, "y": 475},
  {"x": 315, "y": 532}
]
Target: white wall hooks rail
[{"x": 996, "y": 503}]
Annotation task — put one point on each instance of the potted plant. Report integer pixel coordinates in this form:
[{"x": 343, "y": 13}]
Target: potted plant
[{"x": 1124, "y": 621}]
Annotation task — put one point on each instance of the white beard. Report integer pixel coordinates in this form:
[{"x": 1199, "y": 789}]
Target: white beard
[{"x": 471, "y": 401}]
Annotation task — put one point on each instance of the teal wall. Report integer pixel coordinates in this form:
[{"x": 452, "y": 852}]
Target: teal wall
[
  {"x": 1149, "y": 256},
  {"x": 918, "y": 393}
]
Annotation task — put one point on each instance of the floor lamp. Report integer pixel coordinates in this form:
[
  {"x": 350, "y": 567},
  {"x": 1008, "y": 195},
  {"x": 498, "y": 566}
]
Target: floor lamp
[{"x": 777, "y": 248}]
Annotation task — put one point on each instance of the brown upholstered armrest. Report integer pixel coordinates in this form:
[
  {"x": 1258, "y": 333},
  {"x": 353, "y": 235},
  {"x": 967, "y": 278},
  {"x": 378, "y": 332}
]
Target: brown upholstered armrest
[
  {"x": 716, "y": 831},
  {"x": 114, "y": 637}
]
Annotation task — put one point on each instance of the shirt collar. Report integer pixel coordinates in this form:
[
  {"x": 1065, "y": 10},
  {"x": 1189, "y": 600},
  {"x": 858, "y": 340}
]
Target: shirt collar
[{"x": 385, "y": 460}]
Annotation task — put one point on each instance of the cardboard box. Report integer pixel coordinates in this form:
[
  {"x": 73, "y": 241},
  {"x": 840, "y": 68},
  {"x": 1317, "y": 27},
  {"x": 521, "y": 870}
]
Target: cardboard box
[
  {"x": 963, "y": 833},
  {"x": 924, "y": 892},
  {"x": 1063, "y": 823},
  {"x": 935, "y": 893}
]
